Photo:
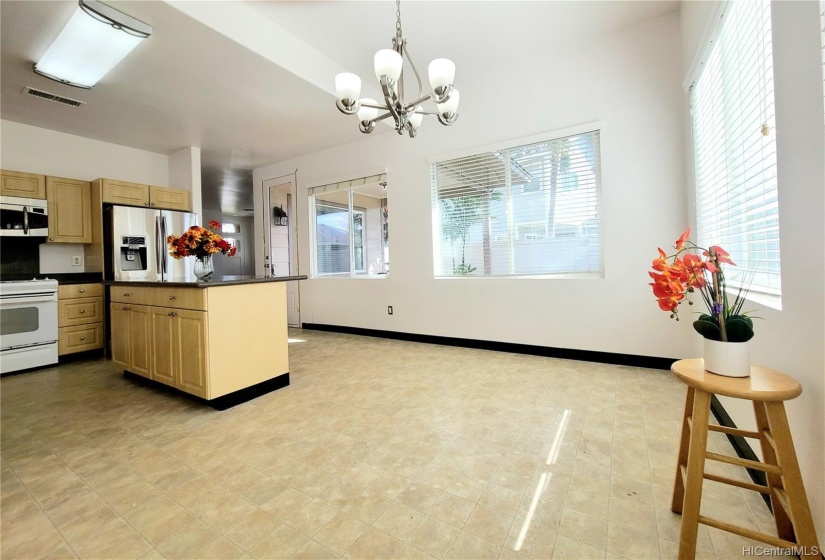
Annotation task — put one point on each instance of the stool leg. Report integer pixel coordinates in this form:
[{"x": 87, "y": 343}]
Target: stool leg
[
  {"x": 695, "y": 475},
  {"x": 684, "y": 446},
  {"x": 800, "y": 511},
  {"x": 784, "y": 527}
]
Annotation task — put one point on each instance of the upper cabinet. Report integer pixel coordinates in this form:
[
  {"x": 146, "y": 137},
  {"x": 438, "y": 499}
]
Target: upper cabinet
[
  {"x": 22, "y": 185},
  {"x": 134, "y": 194},
  {"x": 171, "y": 199},
  {"x": 122, "y": 192},
  {"x": 70, "y": 210}
]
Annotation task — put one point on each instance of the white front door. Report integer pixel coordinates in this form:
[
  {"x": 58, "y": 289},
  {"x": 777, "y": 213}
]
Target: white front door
[{"x": 280, "y": 241}]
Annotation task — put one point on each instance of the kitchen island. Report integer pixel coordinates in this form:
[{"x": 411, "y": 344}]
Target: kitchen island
[{"x": 223, "y": 340}]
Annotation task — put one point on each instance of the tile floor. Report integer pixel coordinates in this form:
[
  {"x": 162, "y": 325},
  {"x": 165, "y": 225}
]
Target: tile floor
[{"x": 378, "y": 449}]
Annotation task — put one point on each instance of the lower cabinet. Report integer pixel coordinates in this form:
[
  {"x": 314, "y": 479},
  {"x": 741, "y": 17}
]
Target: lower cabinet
[
  {"x": 130, "y": 337},
  {"x": 79, "y": 318},
  {"x": 178, "y": 342}
]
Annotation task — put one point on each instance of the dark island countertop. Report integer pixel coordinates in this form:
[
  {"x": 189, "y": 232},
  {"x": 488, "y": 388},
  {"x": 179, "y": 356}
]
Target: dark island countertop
[{"x": 211, "y": 282}]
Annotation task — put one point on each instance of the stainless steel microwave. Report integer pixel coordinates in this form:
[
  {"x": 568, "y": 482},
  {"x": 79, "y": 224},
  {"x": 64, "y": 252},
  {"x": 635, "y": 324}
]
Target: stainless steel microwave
[{"x": 23, "y": 217}]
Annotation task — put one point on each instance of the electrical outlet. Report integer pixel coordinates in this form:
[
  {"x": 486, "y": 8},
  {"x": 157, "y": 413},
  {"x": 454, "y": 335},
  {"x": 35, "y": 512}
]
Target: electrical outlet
[
  {"x": 389, "y": 310},
  {"x": 77, "y": 260}
]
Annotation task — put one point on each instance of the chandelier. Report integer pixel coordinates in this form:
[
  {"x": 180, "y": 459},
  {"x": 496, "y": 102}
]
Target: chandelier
[{"x": 389, "y": 71}]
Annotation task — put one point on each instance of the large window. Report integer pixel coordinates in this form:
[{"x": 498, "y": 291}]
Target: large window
[
  {"x": 520, "y": 211},
  {"x": 351, "y": 231},
  {"x": 734, "y": 143}
]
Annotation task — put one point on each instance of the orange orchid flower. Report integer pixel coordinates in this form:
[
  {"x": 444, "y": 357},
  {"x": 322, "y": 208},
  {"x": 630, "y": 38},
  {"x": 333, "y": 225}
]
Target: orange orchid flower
[{"x": 680, "y": 243}]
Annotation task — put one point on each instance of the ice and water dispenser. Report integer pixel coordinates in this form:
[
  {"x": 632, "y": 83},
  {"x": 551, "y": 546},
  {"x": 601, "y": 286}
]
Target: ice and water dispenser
[{"x": 133, "y": 253}]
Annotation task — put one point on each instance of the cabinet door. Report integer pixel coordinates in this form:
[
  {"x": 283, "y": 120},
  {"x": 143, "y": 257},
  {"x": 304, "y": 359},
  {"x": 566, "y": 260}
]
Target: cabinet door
[
  {"x": 119, "y": 320},
  {"x": 191, "y": 352},
  {"x": 70, "y": 210},
  {"x": 122, "y": 192},
  {"x": 22, "y": 185},
  {"x": 139, "y": 339},
  {"x": 169, "y": 199},
  {"x": 164, "y": 334}
]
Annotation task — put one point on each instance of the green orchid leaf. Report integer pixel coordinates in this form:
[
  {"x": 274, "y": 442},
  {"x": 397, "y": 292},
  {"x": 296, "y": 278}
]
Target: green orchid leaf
[
  {"x": 739, "y": 329},
  {"x": 707, "y": 329}
]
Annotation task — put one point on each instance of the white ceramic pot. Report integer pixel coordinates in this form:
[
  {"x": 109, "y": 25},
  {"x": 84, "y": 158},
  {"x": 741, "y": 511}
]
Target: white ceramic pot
[{"x": 731, "y": 359}]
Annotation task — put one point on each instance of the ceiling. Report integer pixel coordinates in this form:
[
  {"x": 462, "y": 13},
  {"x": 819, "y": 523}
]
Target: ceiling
[{"x": 191, "y": 85}]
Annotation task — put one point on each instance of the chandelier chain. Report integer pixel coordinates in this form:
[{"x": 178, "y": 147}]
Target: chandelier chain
[{"x": 398, "y": 18}]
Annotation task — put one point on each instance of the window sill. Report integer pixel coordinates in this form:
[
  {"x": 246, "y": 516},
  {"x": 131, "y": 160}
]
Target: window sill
[
  {"x": 768, "y": 300},
  {"x": 569, "y": 276},
  {"x": 350, "y": 277}
]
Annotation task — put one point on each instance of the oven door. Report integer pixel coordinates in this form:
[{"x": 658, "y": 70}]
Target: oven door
[
  {"x": 27, "y": 320},
  {"x": 23, "y": 217}
]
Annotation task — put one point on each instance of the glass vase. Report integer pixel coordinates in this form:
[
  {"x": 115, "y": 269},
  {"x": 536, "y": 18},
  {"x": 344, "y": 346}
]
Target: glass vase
[{"x": 203, "y": 267}]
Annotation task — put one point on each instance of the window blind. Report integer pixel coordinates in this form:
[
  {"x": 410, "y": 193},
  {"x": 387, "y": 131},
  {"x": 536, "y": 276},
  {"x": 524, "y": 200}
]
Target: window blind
[
  {"x": 520, "y": 211},
  {"x": 734, "y": 143}
]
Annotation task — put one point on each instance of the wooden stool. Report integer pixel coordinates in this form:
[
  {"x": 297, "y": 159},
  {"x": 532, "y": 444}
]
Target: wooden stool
[{"x": 768, "y": 390}]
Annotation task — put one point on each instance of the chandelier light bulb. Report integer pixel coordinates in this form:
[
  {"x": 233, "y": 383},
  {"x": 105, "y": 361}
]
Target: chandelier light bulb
[
  {"x": 416, "y": 117},
  {"x": 442, "y": 74},
  {"x": 347, "y": 86},
  {"x": 388, "y": 63},
  {"x": 449, "y": 107},
  {"x": 366, "y": 114}
]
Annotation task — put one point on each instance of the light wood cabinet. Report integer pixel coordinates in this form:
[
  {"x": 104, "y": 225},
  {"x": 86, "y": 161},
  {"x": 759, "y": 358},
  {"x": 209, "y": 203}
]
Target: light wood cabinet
[
  {"x": 131, "y": 329},
  {"x": 209, "y": 342},
  {"x": 70, "y": 210},
  {"x": 135, "y": 194},
  {"x": 22, "y": 185},
  {"x": 169, "y": 199},
  {"x": 79, "y": 318},
  {"x": 123, "y": 192}
]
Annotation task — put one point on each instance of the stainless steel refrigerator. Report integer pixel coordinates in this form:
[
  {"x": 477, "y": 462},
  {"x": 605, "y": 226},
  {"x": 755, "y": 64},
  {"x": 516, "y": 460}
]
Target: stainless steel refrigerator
[{"x": 134, "y": 241}]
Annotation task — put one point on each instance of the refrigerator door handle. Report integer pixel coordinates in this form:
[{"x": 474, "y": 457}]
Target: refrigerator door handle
[
  {"x": 164, "y": 234},
  {"x": 158, "y": 246}
]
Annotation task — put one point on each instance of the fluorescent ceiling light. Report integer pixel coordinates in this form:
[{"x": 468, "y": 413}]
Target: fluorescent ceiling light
[{"x": 92, "y": 43}]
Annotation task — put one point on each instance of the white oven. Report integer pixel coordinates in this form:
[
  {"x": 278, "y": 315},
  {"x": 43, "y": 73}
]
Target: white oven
[{"x": 28, "y": 324}]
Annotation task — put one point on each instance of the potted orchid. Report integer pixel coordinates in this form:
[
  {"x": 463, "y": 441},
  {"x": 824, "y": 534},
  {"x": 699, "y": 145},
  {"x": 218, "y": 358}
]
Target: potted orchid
[{"x": 726, "y": 329}]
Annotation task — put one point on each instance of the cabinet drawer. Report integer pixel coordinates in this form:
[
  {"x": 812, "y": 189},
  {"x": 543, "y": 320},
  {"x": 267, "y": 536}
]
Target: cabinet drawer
[
  {"x": 79, "y": 311},
  {"x": 69, "y": 291},
  {"x": 137, "y": 295},
  {"x": 181, "y": 298},
  {"x": 79, "y": 338}
]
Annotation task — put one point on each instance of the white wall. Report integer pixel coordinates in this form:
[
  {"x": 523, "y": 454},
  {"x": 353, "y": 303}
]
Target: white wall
[
  {"x": 630, "y": 81},
  {"x": 791, "y": 340},
  {"x": 48, "y": 152},
  {"x": 185, "y": 173}
]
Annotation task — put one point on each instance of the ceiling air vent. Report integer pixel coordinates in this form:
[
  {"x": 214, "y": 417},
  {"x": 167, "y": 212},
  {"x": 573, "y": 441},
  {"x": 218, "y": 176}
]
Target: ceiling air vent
[{"x": 52, "y": 97}]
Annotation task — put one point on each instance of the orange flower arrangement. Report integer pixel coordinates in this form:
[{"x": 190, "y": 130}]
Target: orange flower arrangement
[
  {"x": 199, "y": 242},
  {"x": 685, "y": 272}
]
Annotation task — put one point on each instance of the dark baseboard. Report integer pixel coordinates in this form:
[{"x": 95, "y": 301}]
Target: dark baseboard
[
  {"x": 80, "y": 356},
  {"x": 740, "y": 445},
  {"x": 223, "y": 402},
  {"x": 512, "y": 347}
]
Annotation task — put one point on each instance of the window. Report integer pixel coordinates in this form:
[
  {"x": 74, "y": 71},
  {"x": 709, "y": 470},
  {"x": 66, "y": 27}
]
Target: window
[
  {"x": 734, "y": 144},
  {"x": 351, "y": 231},
  {"x": 227, "y": 227},
  {"x": 520, "y": 211}
]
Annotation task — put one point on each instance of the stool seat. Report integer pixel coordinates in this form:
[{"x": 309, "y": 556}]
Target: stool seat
[
  {"x": 767, "y": 389},
  {"x": 763, "y": 384}
]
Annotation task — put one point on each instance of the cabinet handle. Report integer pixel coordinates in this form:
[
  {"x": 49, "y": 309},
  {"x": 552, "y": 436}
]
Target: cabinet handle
[
  {"x": 82, "y": 291},
  {"x": 153, "y": 204},
  {"x": 82, "y": 338},
  {"x": 146, "y": 204},
  {"x": 51, "y": 238},
  {"x": 126, "y": 308},
  {"x": 83, "y": 311},
  {"x": 126, "y": 294},
  {"x": 173, "y": 314},
  {"x": 173, "y": 298}
]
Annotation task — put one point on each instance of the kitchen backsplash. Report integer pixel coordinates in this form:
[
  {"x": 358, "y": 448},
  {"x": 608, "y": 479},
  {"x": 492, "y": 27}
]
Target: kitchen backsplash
[
  {"x": 19, "y": 256},
  {"x": 60, "y": 258}
]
